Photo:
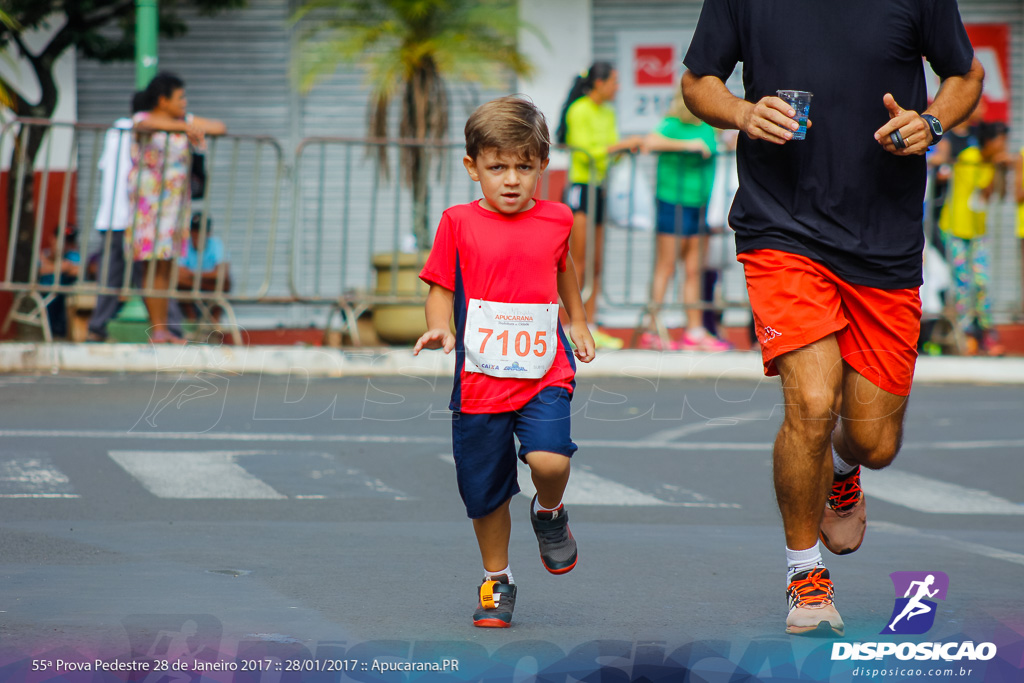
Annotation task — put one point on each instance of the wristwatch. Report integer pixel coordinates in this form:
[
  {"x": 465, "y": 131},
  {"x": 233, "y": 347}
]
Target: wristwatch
[{"x": 936, "y": 127}]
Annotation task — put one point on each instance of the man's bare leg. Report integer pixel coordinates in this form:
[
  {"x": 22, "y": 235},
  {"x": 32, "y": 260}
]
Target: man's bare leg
[{"x": 802, "y": 465}]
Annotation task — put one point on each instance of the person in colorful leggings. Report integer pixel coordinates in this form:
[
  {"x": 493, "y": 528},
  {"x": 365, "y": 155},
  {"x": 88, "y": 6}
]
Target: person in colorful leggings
[
  {"x": 1018, "y": 197},
  {"x": 964, "y": 232}
]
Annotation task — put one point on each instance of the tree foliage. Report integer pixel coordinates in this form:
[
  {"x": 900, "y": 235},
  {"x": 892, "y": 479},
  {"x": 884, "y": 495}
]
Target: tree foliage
[
  {"x": 98, "y": 29},
  {"x": 411, "y": 49}
]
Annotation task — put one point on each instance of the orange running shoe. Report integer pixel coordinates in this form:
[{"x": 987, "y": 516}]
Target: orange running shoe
[
  {"x": 811, "y": 611},
  {"x": 845, "y": 518}
]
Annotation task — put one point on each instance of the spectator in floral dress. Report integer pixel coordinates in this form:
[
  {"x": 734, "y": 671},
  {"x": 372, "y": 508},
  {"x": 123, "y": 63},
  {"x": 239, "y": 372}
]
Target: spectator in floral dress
[{"x": 160, "y": 189}]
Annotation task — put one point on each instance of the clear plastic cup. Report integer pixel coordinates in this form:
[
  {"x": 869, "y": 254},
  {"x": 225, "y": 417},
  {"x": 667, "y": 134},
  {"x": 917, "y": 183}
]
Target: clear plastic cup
[{"x": 800, "y": 100}]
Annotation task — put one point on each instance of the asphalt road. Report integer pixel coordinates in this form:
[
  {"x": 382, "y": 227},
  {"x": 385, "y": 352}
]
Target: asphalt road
[{"x": 224, "y": 518}]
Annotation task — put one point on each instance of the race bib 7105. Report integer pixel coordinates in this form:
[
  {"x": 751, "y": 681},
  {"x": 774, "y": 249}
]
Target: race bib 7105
[{"x": 511, "y": 340}]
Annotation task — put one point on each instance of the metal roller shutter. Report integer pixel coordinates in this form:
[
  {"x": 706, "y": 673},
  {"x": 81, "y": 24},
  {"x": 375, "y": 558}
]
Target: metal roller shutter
[{"x": 237, "y": 68}]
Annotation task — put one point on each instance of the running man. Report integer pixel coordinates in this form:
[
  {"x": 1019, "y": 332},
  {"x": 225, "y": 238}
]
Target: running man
[
  {"x": 829, "y": 231},
  {"x": 915, "y": 606}
]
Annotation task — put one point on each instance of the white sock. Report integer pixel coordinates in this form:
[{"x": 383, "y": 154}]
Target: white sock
[
  {"x": 840, "y": 466},
  {"x": 489, "y": 576},
  {"x": 537, "y": 507},
  {"x": 801, "y": 560}
]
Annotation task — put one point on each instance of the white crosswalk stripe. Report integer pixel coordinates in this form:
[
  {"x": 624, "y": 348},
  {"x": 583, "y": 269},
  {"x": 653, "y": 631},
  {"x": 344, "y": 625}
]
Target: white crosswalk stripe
[
  {"x": 243, "y": 475},
  {"x": 33, "y": 476},
  {"x": 193, "y": 474},
  {"x": 587, "y": 488},
  {"x": 276, "y": 475},
  {"x": 669, "y": 435},
  {"x": 932, "y": 495}
]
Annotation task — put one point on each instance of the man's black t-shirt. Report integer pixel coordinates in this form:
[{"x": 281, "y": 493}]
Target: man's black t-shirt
[{"x": 836, "y": 197}]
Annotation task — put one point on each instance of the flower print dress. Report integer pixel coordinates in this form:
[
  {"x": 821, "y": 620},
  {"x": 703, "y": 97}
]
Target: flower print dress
[{"x": 159, "y": 185}]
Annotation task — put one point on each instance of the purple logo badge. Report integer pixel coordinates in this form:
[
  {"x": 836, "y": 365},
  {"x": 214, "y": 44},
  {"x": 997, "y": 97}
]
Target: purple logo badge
[{"x": 914, "y": 611}]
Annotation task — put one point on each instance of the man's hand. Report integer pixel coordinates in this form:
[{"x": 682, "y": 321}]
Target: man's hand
[
  {"x": 771, "y": 120},
  {"x": 186, "y": 278},
  {"x": 435, "y": 339},
  {"x": 916, "y": 134},
  {"x": 584, "y": 341}
]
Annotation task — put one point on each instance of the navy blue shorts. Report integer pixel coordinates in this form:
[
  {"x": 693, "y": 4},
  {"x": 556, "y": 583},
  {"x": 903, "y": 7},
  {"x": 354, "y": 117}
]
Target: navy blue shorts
[
  {"x": 681, "y": 221},
  {"x": 485, "y": 450},
  {"x": 576, "y": 198}
]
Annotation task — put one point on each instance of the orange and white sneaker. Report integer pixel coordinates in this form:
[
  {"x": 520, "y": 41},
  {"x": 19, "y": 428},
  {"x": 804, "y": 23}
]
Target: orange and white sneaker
[
  {"x": 811, "y": 611},
  {"x": 845, "y": 518},
  {"x": 496, "y": 600}
]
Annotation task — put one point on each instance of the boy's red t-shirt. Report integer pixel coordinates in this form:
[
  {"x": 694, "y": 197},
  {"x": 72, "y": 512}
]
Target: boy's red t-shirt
[{"x": 481, "y": 254}]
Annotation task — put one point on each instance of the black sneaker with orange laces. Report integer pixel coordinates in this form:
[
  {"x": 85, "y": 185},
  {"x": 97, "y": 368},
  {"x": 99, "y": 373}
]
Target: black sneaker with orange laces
[
  {"x": 496, "y": 600},
  {"x": 811, "y": 610},
  {"x": 845, "y": 518}
]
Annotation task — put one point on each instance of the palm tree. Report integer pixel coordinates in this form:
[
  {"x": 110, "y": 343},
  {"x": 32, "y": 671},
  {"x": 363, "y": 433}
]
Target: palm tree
[
  {"x": 5, "y": 97},
  {"x": 410, "y": 48}
]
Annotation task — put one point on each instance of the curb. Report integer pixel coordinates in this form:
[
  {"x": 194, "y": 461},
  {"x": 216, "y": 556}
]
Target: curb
[{"x": 398, "y": 362}]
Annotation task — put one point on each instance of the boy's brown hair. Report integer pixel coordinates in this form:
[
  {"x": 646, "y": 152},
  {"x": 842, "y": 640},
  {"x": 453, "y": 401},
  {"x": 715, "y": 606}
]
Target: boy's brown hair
[{"x": 510, "y": 125}]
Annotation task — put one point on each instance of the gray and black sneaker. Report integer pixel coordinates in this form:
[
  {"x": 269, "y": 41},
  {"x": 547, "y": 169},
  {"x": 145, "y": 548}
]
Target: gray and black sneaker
[
  {"x": 495, "y": 603},
  {"x": 557, "y": 546}
]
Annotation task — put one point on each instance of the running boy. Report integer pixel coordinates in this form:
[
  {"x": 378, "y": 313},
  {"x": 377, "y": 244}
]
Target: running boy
[{"x": 501, "y": 264}]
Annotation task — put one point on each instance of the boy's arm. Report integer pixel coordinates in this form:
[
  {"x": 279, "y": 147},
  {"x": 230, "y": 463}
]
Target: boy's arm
[
  {"x": 986, "y": 180},
  {"x": 439, "y": 312},
  {"x": 569, "y": 293},
  {"x": 656, "y": 142},
  {"x": 633, "y": 144},
  {"x": 1018, "y": 179}
]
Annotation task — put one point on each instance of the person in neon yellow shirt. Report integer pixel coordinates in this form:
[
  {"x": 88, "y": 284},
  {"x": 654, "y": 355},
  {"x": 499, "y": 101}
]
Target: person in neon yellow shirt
[{"x": 588, "y": 126}]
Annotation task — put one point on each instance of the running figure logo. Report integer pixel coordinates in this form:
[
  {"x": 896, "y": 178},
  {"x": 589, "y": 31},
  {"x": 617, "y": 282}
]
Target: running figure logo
[{"x": 914, "y": 613}]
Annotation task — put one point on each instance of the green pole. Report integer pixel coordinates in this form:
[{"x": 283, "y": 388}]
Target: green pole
[{"x": 146, "y": 23}]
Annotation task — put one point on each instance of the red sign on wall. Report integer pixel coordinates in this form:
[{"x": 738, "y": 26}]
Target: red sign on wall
[
  {"x": 655, "y": 64},
  {"x": 992, "y": 48}
]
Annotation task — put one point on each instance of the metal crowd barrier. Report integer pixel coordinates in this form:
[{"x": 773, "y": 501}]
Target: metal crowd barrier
[
  {"x": 630, "y": 254},
  {"x": 354, "y": 220},
  {"x": 354, "y": 213},
  {"x": 629, "y": 268},
  {"x": 351, "y": 217},
  {"x": 244, "y": 175}
]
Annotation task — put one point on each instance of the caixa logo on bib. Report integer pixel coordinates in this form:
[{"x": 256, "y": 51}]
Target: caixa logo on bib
[{"x": 914, "y": 612}]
